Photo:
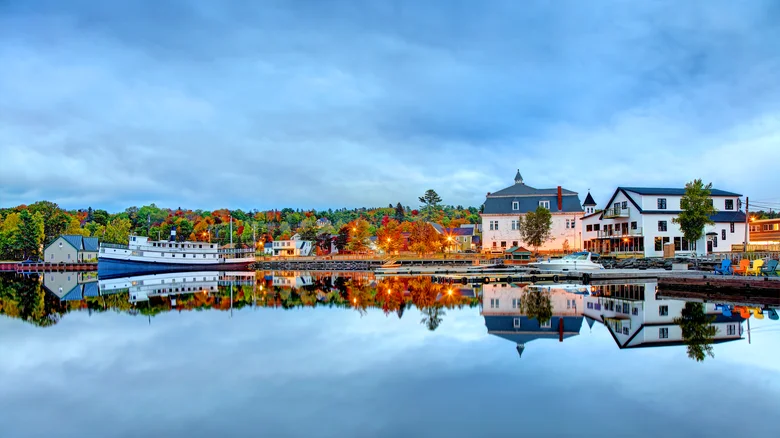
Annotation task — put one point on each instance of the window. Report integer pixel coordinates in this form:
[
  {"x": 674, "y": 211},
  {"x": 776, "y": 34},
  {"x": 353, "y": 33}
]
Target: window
[
  {"x": 767, "y": 227},
  {"x": 515, "y": 225},
  {"x": 596, "y": 227},
  {"x": 68, "y": 256},
  {"x": 515, "y": 205},
  {"x": 662, "y": 203},
  {"x": 662, "y": 226},
  {"x": 546, "y": 324},
  {"x": 494, "y": 303},
  {"x": 663, "y": 310},
  {"x": 503, "y": 244},
  {"x": 723, "y": 234},
  {"x": 624, "y": 205},
  {"x": 590, "y": 305},
  {"x": 729, "y": 204},
  {"x": 626, "y": 308},
  {"x": 633, "y": 225},
  {"x": 635, "y": 311},
  {"x": 589, "y": 228},
  {"x": 494, "y": 225},
  {"x": 663, "y": 333},
  {"x": 201, "y": 246},
  {"x": 514, "y": 243},
  {"x": 625, "y": 330},
  {"x": 731, "y": 329},
  {"x": 515, "y": 303},
  {"x": 517, "y": 322},
  {"x": 731, "y": 228},
  {"x": 545, "y": 204},
  {"x": 495, "y": 244},
  {"x": 658, "y": 245},
  {"x": 714, "y": 241}
]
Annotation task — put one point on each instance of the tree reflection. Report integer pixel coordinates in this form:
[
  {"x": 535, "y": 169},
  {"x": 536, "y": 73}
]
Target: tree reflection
[
  {"x": 698, "y": 332},
  {"x": 537, "y": 304},
  {"x": 432, "y": 317}
]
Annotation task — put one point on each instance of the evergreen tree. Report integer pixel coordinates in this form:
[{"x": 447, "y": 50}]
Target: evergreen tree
[
  {"x": 399, "y": 212},
  {"x": 29, "y": 237},
  {"x": 430, "y": 203}
]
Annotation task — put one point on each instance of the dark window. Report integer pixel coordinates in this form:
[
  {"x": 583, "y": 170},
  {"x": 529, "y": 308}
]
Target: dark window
[
  {"x": 662, "y": 203},
  {"x": 626, "y": 308},
  {"x": 715, "y": 242},
  {"x": 589, "y": 228},
  {"x": 684, "y": 245},
  {"x": 658, "y": 244},
  {"x": 729, "y": 204},
  {"x": 503, "y": 244},
  {"x": 661, "y": 225},
  {"x": 625, "y": 330},
  {"x": 663, "y": 310},
  {"x": 514, "y": 243},
  {"x": 633, "y": 225},
  {"x": 624, "y": 205},
  {"x": 731, "y": 226},
  {"x": 596, "y": 227},
  {"x": 663, "y": 333},
  {"x": 723, "y": 234},
  {"x": 678, "y": 243}
]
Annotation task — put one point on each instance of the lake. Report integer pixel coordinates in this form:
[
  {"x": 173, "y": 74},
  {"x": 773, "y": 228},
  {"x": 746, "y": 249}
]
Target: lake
[{"x": 287, "y": 354}]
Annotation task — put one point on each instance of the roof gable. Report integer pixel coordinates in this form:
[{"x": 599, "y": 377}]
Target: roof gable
[
  {"x": 666, "y": 191},
  {"x": 90, "y": 243},
  {"x": 73, "y": 240}
]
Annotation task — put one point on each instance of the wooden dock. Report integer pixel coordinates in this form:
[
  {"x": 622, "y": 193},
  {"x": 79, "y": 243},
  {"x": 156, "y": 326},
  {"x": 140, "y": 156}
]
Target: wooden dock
[
  {"x": 757, "y": 290},
  {"x": 46, "y": 267}
]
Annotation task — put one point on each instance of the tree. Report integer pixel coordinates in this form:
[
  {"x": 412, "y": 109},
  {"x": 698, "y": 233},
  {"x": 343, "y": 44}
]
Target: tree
[
  {"x": 535, "y": 227},
  {"x": 423, "y": 238},
  {"x": 432, "y": 316},
  {"x": 358, "y": 236},
  {"x": 389, "y": 238},
  {"x": 697, "y": 210},
  {"x": 117, "y": 231},
  {"x": 697, "y": 331},
  {"x": 29, "y": 237},
  {"x": 399, "y": 212},
  {"x": 430, "y": 203},
  {"x": 537, "y": 305},
  {"x": 343, "y": 238}
]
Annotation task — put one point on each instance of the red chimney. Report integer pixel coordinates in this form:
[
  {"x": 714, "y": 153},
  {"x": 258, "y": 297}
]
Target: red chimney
[{"x": 560, "y": 199}]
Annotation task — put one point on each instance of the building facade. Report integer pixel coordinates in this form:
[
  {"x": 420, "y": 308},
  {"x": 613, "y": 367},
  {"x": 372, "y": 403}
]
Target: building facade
[
  {"x": 765, "y": 231},
  {"x": 502, "y": 210},
  {"x": 72, "y": 249},
  {"x": 640, "y": 221},
  {"x": 294, "y": 247}
]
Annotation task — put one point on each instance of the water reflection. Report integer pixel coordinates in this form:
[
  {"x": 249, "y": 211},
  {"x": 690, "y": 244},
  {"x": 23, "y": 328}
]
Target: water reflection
[{"x": 633, "y": 313}]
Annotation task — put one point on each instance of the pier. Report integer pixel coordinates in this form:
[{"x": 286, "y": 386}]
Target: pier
[{"x": 46, "y": 267}]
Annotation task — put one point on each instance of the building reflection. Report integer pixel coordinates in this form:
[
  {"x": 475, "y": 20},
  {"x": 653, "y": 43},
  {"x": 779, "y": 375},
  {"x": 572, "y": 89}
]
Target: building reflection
[{"x": 501, "y": 309}]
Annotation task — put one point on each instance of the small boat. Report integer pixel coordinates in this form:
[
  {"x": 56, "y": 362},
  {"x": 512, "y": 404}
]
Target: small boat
[{"x": 579, "y": 261}]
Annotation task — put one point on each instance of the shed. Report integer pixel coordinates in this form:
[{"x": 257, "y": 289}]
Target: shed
[{"x": 517, "y": 253}]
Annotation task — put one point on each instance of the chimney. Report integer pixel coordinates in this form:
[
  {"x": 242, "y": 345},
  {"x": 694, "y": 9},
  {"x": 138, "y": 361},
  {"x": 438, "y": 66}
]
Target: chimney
[
  {"x": 560, "y": 199},
  {"x": 173, "y": 234}
]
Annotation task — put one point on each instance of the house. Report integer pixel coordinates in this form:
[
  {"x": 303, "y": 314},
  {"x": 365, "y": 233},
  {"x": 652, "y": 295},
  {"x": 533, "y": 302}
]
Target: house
[
  {"x": 503, "y": 318},
  {"x": 458, "y": 238},
  {"x": 502, "y": 210},
  {"x": 636, "y": 317},
  {"x": 765, "y": 232},
  {"x": 268, "y": 248},
  {"x": 517, "y": 253},
  {"x": 323, "y": 222},
  {"x": 294, "y": 247},
  {"x": 70, "y": 286},
  {"x": 72, "y": 249},
  {"x": 640, "y": 220}
]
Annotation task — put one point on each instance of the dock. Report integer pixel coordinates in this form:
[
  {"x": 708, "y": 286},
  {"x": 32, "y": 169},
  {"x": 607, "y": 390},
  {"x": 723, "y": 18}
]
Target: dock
[{"x": 23, "y": 268}]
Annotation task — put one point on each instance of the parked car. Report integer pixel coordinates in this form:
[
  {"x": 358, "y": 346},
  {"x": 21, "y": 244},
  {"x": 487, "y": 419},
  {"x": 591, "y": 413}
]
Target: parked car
[{"x": 30, "y": 261}]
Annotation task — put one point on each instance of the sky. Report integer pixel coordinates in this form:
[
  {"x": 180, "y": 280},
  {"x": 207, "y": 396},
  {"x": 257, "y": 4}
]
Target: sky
[{"x": 329, "y": 104}]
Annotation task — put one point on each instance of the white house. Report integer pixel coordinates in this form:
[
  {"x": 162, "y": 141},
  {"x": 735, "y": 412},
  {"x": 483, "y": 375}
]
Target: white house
[
  {"x": 294, "y": 247},
  {"x": 636, "y": 318},
  {"x": 71, "y": 249},
  {"x": 640, "y": 220},
  {"x": 503, "y": 209}
]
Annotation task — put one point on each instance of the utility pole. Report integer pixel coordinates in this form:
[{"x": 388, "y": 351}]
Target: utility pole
[
  {"x": 747, "y": 222},
  {"x": 231, "y": 230}
]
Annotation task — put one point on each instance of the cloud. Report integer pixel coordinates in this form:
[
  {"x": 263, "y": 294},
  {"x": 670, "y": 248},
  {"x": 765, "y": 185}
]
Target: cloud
[{"x": 343, "y": 103}]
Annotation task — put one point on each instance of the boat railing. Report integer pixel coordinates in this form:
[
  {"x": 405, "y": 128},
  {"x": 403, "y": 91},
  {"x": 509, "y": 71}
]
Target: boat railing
[{"x": 114, "y": 245}]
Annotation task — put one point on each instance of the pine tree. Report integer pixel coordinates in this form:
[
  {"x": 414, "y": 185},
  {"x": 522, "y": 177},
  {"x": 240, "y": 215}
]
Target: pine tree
[{"x": 399, "y": 212}]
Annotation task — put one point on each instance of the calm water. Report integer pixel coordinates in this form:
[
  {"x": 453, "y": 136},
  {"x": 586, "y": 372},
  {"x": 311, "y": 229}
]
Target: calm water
[{"x": 294, "y": 354}]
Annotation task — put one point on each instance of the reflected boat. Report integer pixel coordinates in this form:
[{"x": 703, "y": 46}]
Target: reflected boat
[{"x": 579, "y": 261}]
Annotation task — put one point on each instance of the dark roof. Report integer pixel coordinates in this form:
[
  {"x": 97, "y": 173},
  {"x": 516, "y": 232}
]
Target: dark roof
[
  {"x": 529, "y": 330},
  {"x": 528, "y": 199},
  {"x": 589, "y": 200},
  {"x": 73, "y": 295},
  {"x": 673, "y": 191},
  {"x": 91, "y": 244},
  {"x": 91, "y": 289},
  {"x": 729, "y": 216},
  {"x": 518, "y": 177},
  {"x": 459, "y": 231}
]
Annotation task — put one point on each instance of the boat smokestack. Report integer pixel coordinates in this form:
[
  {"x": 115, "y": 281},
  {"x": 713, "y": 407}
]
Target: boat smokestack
[
  {"x": 560, "y": 199},
  {"x": 173, "y": 234}
]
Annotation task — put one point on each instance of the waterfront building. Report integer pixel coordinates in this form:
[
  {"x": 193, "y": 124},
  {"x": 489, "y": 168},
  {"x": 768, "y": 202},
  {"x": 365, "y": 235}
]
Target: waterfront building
[
  {"x": 641, "y": 221},
  {"x": 503, "y": 318},
  {"x": 295, "y": 247},
  {"x": 636, "y": 317},
  {"x": 459, "y": 239},
  {"x": 70, "y": 286},
  {"x": 765, "y": 232},
  {"x": 72, "y": 249},
  {"x": 502, "y": 210}
]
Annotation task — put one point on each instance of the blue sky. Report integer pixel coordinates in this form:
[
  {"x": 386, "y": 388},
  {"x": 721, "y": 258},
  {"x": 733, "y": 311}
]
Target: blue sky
[{"x": 317, "y": 104}]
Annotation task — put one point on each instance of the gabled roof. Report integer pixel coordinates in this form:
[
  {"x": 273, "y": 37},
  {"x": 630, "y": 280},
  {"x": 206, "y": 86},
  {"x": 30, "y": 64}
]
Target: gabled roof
[
  {"x": 91, "y": 244},
  {"x": 517, "y": 249},
  {"x": 673, "y": 191},
  {"x": 589, "y": 200},
  {"x": 73, "y": 240},
  {"x": 73, "y": 295},
  {"x": 91, "y": 289}
]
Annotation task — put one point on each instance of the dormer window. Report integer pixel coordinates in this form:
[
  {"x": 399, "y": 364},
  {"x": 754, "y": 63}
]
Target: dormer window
[
  {"x": 515, "y": 206},
  {"x": 729, "y": 204},
  {"x": 545, "y": 204}
]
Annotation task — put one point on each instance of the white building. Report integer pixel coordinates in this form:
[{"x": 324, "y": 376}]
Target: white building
[
  {"x": 641, "y": 220},
  {"x": 503, "y": 209},
  {"x": 637, "y": 318},
  {"x": 72, "y": 249},
  {"x": 294, "y": 247}
]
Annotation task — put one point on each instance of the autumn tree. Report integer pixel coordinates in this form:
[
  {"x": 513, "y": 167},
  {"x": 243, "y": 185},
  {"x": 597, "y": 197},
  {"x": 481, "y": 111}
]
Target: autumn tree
[
  {"x": 698, "y": 332},
  {"x": 424, "y": 239},
  {"x": 535, "y": 227},
  {"x": 342, "y": 239},
  {"x": 430, "y": 203},
  {"x": 358, "y": 235},
  {"x": 117, "y": 231},
  {"x": 389, "y": 237}
]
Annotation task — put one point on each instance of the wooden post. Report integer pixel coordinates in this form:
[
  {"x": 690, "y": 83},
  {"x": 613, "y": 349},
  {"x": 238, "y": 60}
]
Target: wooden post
[{"x": 747, "y": 223}]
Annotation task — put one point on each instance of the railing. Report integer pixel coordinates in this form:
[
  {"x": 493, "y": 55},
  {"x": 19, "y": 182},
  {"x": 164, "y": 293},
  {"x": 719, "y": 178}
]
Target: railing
[
  {"x": 114, "y": 245},
  {"x": 603, "y": 234},
  {"x": 616, "y": 212}
]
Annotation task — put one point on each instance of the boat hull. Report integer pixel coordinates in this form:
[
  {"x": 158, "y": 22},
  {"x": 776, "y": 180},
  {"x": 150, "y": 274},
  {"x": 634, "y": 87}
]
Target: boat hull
[
  {"x": 111, "y": 268},
  {"x": 566, "y": 267}
]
